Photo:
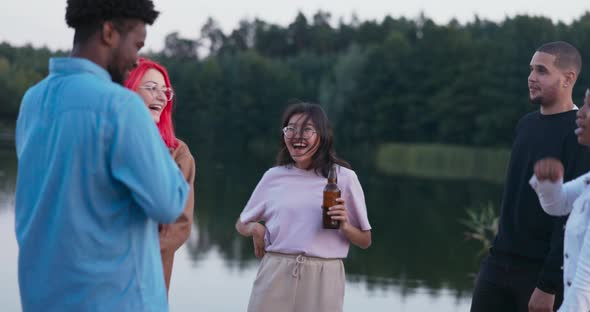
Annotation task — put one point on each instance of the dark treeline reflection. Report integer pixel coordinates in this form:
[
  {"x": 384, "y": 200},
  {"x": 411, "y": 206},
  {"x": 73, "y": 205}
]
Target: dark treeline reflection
[
  {"x": 7, "y": 176},
  {"x": 418, "y": 240}
]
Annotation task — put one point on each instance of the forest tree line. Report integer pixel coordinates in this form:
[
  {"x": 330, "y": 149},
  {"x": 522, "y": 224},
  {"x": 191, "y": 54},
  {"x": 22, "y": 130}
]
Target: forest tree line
[{"x": 394, "y": 80}]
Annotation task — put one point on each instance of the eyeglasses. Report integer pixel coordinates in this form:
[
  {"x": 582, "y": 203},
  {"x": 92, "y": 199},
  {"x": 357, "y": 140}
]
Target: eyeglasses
[
  {"x": 154, "y": 91},
  {"x": 306, "y": 132}
]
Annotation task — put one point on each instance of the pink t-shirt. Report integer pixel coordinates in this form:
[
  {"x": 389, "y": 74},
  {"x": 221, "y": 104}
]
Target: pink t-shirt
[{"x": 289, "y": 200}]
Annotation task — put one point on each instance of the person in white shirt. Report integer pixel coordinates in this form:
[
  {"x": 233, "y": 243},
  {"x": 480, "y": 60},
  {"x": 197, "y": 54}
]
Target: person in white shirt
[{"x": 573, "y": 198}]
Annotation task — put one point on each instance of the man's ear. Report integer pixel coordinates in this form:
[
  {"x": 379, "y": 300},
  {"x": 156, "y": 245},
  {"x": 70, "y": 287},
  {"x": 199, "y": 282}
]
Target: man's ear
[
  {"x": 109, "y": 34},
  {"x": 570, "y": 78}
]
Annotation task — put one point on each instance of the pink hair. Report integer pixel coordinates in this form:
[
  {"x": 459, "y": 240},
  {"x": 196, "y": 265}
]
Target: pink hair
[{"x": 165, "y": 125}]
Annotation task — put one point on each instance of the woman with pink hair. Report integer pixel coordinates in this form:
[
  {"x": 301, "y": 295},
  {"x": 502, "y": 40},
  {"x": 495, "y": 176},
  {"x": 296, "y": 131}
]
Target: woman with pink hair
[{"x": 150, "y": 80}]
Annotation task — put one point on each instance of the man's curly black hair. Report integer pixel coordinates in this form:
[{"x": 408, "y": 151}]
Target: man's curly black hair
[{"x": 87, "y": 16}]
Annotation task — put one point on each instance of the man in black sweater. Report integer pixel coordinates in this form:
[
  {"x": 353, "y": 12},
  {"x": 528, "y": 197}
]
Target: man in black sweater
[{"x": 523, "y": 271}]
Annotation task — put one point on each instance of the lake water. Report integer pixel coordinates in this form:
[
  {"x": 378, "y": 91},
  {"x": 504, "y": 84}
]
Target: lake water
[{"x": 419, "y": 260}]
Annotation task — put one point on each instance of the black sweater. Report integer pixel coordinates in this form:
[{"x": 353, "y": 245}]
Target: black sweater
[{"x": 527, "y": 236}]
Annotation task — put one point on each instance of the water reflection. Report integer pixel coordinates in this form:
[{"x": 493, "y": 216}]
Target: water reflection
[
  {"x": 7, "y": 179},
  {"x": 9, "y": 296},
  {"x": 418, "y": 241},
  {"x": 418, "y": 247}
]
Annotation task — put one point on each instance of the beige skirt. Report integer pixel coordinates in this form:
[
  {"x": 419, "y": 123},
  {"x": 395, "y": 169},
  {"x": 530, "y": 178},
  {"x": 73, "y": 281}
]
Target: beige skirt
[{"x": 297, "y": 283}]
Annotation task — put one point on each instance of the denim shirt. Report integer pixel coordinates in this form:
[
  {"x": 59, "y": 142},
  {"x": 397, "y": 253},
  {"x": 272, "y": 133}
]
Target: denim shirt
[{"x": 94, "y": 180}]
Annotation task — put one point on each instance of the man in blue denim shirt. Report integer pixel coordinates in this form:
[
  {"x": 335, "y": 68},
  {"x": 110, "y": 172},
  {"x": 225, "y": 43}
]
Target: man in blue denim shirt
[{"x": 94, "y": 177}]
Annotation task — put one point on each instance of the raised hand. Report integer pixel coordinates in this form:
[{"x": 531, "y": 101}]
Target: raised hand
[{"x": 549, "y": 169}]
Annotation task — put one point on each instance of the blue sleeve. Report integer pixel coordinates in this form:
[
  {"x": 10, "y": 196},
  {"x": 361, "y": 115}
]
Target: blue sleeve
[{"x": 140, "y": 160}]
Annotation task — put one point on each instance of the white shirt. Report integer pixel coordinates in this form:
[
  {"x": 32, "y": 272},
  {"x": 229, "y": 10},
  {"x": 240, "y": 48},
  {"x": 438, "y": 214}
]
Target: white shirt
[{"x": 559, "y": 199}]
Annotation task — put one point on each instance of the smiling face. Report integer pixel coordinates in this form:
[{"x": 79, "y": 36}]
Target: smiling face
[
  {"x": 150, "y": 89},
  {"x": 302, "y": 140}
]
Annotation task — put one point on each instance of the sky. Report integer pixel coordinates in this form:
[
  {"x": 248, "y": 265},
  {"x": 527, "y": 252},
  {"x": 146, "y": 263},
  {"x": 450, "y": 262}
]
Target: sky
[{"x": 42, "y": 23}]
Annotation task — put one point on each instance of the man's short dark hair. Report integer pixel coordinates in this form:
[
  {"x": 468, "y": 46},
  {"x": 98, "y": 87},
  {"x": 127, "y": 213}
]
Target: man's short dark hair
[
  {"x": 87, "y": 16},
  {"x": 566, "y": 55}
]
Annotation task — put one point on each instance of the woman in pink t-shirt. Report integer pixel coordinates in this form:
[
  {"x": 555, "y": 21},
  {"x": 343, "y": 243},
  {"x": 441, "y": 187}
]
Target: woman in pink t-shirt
[{"x": 301, "y": 267}]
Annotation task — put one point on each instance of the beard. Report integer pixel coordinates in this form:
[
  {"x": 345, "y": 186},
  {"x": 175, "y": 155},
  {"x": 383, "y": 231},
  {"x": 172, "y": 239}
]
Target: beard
[
  {"x": 114, "y": 69},
  {"x": 116, "y": 75},
  {"x": 538, "y": 100},
  {"x": 548, "y": 96}
]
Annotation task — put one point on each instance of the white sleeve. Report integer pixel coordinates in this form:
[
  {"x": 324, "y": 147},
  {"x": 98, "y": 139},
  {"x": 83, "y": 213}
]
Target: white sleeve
[
  {"x": 355, "y": 204},
  {"x": 557, "y": 198},
  {"x": 255, "y": 209}
]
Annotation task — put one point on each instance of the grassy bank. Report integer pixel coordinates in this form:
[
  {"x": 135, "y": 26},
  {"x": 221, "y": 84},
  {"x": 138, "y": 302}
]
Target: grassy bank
[{"x": 443, "y": 161}]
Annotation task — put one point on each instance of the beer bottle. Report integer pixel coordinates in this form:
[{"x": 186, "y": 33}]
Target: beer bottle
[{"x": 331, "y": 192}]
